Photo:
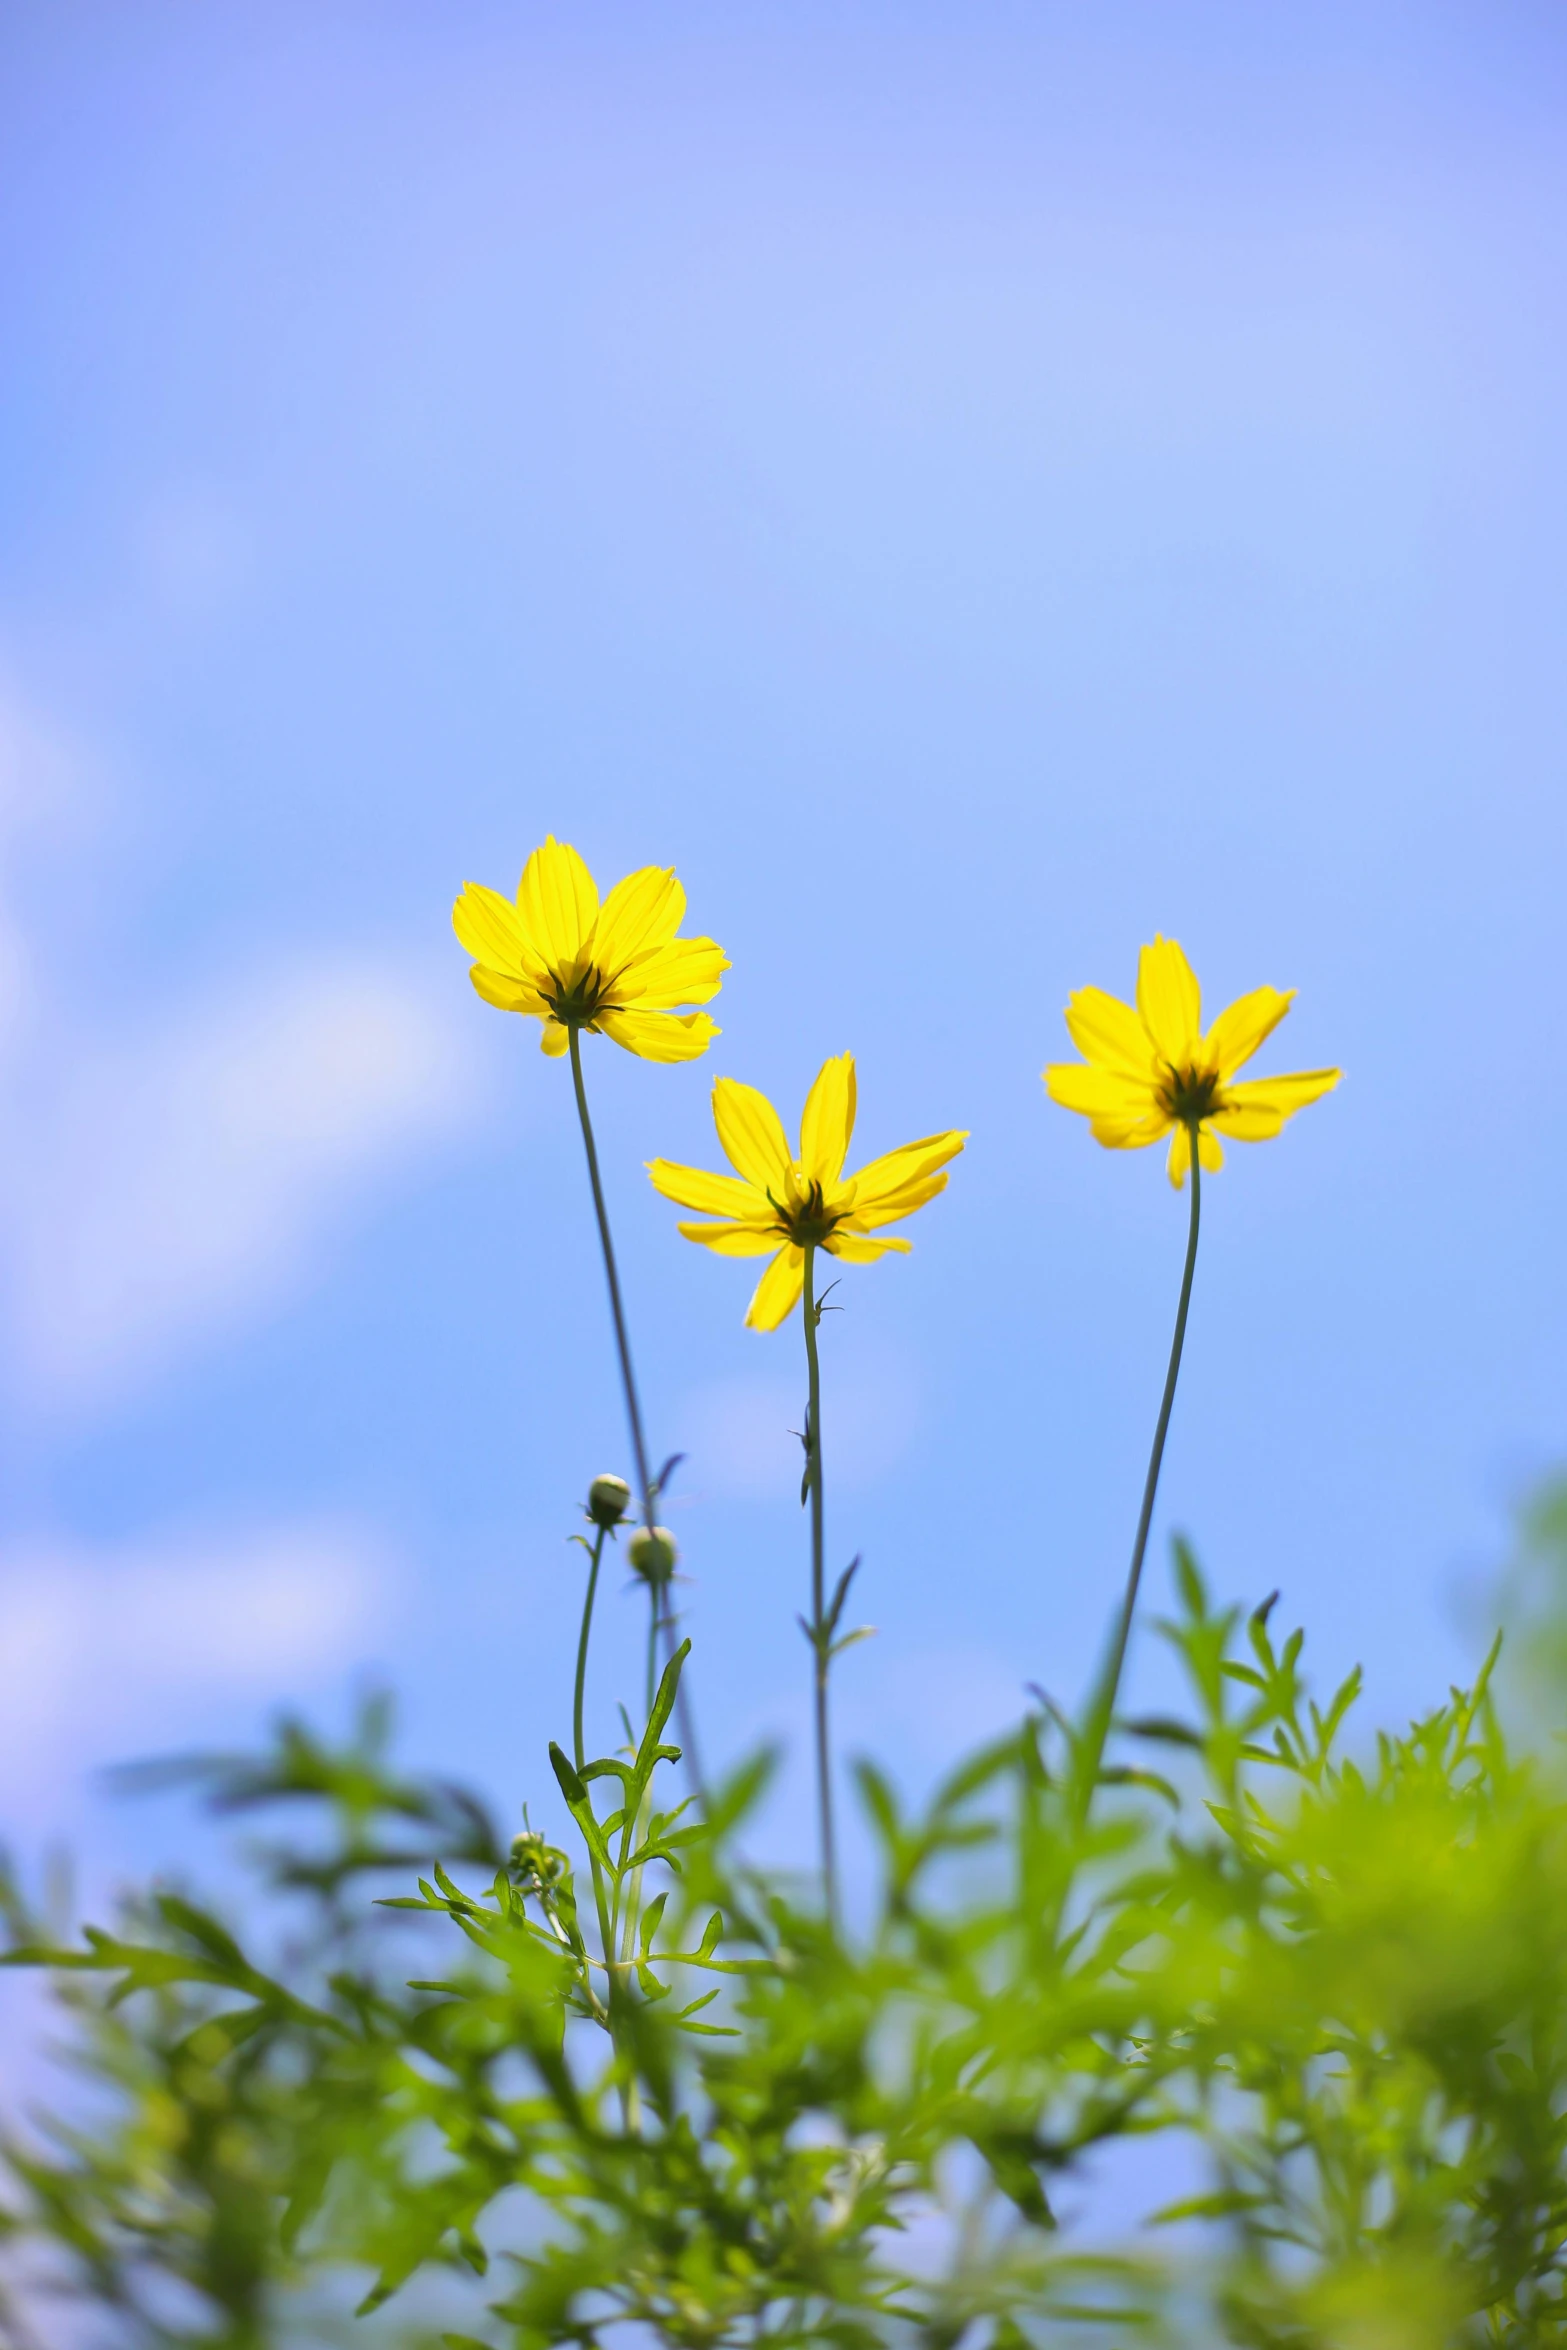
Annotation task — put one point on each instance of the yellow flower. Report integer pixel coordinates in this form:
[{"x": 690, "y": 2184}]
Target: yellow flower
[
  {"x": 615, "y": 969},
  {"x": 1148, "y": 1070},
  {"x": 779, "y": 1201}
]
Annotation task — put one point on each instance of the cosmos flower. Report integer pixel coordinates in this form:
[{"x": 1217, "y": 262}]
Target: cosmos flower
[
  {"x": 780, "y": 1201},
  {"x": 615, "y": 969},
  {"x": 1152, "y": 1071}
]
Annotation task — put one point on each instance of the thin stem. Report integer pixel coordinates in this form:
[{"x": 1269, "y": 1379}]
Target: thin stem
[
  {"x": 617, "y": 1310},
  {"x": 1097, "y": 1729},
  {"x": 628, "y": 1383},
  {"x": 579, "y": 1752},
  {"x": 818, "y": 1628},
  {"x": 652, "y": 1647}
]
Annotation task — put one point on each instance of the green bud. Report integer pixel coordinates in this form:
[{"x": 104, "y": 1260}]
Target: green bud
[
  {"x": 609, "y": 1498},
  {"x": 534, "y": 1860},
  {"x": 652, "y": 1553}
]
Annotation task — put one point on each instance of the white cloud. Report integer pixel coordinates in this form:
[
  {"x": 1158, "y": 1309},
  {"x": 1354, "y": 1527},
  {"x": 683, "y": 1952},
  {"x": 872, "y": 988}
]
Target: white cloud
[
  {"x": 137, "y": 1647},
  {"x": 42, "y": 791},
  {"x": 159, "y": 1190},
  {"x": 165, "y": 1177}
]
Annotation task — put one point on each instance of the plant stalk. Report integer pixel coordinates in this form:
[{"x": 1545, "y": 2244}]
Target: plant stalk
[
  {"x": 819, "y": 1640},
  {"x": 639, "y": 1452},
  {"x": 612, "y": 1276},
  {"x": 1091, "y": 1747},
  {"x": 579, "y": 1752}
]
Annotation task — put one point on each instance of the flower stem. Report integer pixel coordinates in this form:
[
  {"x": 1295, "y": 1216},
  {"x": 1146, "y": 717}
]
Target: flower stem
[
  {"x": 1097, "y": 1729},
  {"x": 617, "y": 1310},
  {"x": 629, "y": 1385},
  {"x": 579, "y": 1752},
  {"x": 579, "y": 1755},
  {"x": 818, "y": 1627}
]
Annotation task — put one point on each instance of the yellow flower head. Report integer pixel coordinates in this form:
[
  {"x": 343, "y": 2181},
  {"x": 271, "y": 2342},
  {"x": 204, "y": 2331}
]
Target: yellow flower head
[
  {"x": 779, "y": 1201},
  {"x": 615, "y": 969},
  {"x": 1147, "y": 1071}
]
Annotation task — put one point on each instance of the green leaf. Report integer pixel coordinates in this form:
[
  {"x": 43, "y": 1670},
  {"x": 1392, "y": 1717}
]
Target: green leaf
[
  {"x": 204, "y": 1931},
  {"x": 1164, "y": 1728},
  {"x": 850, "y": 1639},
  {"x": 663, "y": 1707},
  {"x": 1189, "y": 1582},
  {"x": 1220, "y": 2206},
  {"x": 652, "y": 1917},
  {"x": 880, "y": 1802},
  {"x": 580, "y": 1806},
  {"x": 1119, "y": 1775}
]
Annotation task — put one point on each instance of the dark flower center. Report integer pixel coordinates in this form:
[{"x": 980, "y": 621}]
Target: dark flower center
[
  {"x": 579, "y": 1003},
  {"x": 809, "y": 1222},
  {"x": 1189, "y": 1094}
]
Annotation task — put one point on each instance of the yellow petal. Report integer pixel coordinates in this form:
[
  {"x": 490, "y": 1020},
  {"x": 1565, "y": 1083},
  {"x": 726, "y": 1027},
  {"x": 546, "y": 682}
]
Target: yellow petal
[
  {"x": 507, "y": 994},
  {"x": 688, "y": 972},
  {"x": 1109, "y": 1032},
  {"x": 640, "y": 915},
  {"x": 660, "y": 1036},
  {"x": 1242, "y": 1026},
  {"x": 557, "y": 903},
  {"x": 752, "y": 1135},
  {"x": 556, "y": 1039},
  {"x": 1170, "y": 1001},
  {"x": 1254, "y": 1110},
  {"x": 889, "y": 1206},
  {"x": 855, "y": 1249},
  {"x": 884, "y": 1178},
  {"x": 828, "y": 1120},
  {"x": 733, "y": 1240},
  {"x": 1099, "y": 1093},
  {"x": 489, "y": 927},
  {"x": 714, "y": 1195},
  {"x": 778, "y": 1292},
  {"x": 1247, "y": 1121},
  {"x": 1130, "y": 1134},
  {"x": 1210, "y": 1153}
]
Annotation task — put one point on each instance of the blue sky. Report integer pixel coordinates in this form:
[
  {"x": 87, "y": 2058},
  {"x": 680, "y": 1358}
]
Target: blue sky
[{"x": 969, "y": 487}]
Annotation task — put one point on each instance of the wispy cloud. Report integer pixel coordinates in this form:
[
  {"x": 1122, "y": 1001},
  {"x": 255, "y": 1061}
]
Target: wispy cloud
[
  {"x": 43, "y": 792},
  {"x": 166, "y": 1188},
  {"x": 117, "y": 1649},
  {"x": 165, "y": 1178}
]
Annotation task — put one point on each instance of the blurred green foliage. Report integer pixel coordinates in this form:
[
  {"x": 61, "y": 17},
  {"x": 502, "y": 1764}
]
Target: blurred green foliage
[{"x": 637, "y": 2090}]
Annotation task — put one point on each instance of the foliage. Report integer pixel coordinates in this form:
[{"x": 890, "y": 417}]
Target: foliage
[{"x": 641, "y": 2082}]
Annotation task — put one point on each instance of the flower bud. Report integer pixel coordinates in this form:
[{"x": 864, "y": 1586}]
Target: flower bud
[
  {"x": 652, "y": 1553},
  {"x": 535, "y": 1863},
  {"x": 609, "y": 1498}
]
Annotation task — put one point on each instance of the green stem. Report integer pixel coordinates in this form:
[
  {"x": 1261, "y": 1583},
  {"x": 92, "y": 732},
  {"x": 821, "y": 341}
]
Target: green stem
[
  {"x": 579, "y": 1752},
  {"x": 611, "y": 1275},
  {"x": 629, "y": 1385},
  {"x": 1097, "y": 1729},
  {"x": 818, "y": 1629},
  {"x": 625, "y": 1917}
]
